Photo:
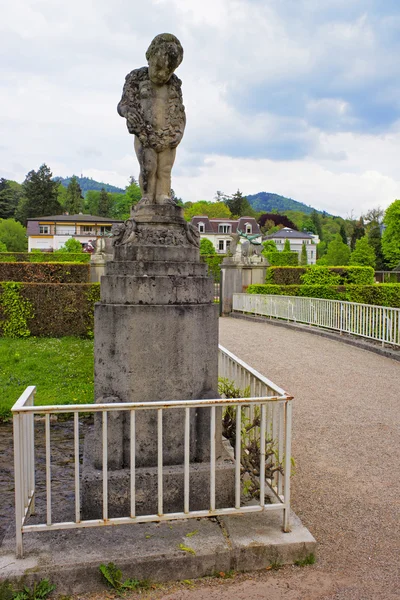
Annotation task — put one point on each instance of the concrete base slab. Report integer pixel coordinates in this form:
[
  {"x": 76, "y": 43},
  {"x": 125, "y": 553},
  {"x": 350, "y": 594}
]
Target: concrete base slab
[{"x": 156, "y": 551}]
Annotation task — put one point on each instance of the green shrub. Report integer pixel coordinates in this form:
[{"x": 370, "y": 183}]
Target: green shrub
[
  {"x": 48, "y": 309},
  {"x": 38, "y": 256},
  {"x": 320, "y": 276},
  {"x": 214, "y": 264},
  {"x": 284, "y": 275},
  {"x": 44, "y": 272},
  {"x": 282, "y": 259}
]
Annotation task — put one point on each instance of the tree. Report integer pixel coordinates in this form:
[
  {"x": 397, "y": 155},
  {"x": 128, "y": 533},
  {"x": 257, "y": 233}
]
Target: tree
[
  {"x": 238, "y": 205},
  {"x": 104, "y": 204},
  {"x": 316, "y": 220},
  {"x": 265, "y": 220},
  {"x": 303, "y": 256},
  {"x": 40, "y": 195},
  {"x": 206, "y": 246},
  {"x": 391, "y": 235},
  {"x": 10, "y": 195},
  {"x": 286, "y": 246},
  {"x": 13, "y": 235},
  {"x": 358, "y": 232},
  {"x": 343, "y": 234},
  {"x": 269, "y": 246},
  {"x": 3, "y": 247},
  {"x": 71, "y": 245},
  {"x": 121, "y": 204},
  {"x": 337, "y": 253},
  {"x": 73, "y": 198},
  {"x": 213, "y": 210},
  {"x": 363, "y": 254},
  {"x": 374, "y": 237}
]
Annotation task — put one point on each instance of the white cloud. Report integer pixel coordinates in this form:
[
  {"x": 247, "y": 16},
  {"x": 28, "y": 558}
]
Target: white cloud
[{"x": 303, "y": 104}]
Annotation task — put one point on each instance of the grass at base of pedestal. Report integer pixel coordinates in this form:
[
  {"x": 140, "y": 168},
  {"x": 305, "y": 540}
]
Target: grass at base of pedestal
[{"x": 60, "y": 368}]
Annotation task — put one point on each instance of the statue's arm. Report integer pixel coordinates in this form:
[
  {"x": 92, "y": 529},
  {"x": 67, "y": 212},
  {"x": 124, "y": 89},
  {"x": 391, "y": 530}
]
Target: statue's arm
[{"x": 128, "y": 106}]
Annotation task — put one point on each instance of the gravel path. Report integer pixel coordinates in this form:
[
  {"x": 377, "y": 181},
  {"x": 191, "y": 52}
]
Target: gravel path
[{"x": 346, "y": 445}]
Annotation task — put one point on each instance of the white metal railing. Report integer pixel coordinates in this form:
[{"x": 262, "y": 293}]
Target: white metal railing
[
  {"x": 380, "y": 323},
  {"x": 268, "y": 402}
]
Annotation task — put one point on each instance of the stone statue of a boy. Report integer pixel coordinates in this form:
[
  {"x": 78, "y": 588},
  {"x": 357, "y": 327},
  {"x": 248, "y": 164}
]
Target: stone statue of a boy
[{"x": 152, "y": 106}]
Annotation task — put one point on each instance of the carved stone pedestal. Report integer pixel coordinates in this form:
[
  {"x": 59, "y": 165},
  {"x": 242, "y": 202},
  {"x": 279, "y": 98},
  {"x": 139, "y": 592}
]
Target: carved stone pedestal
[{"x": 156, "y": 338}]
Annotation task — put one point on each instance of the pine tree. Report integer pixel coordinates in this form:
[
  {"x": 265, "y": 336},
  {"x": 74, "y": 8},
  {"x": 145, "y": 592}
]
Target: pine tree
[
  {"x": 104, "y": 204},
  {"x": 74, "y": 198},
  {"x": 303, "y": 257},
  {"x": 40, "y": 195},
  {"x": 358, "y": 232},
  {"x": 316, "y": 219},
  {"x": 286, "y": 246},
  {"x": 238, "y": 205},
  {"x": 343, "y": 234}
]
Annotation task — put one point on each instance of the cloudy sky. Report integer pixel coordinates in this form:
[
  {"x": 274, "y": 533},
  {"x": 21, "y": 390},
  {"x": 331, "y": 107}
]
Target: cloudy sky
[{"x": 296, "y": 97}]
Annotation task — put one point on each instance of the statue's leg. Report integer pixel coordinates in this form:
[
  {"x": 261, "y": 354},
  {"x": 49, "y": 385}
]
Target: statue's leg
[
  {"x": 147, "y": 158},
  {"x": 166, "y": 160}
]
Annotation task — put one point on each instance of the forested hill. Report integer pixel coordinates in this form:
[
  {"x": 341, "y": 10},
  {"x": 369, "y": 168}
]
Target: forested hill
[
  {"x": 87, "y": 184},
  {"x": 267, "y": 202}
]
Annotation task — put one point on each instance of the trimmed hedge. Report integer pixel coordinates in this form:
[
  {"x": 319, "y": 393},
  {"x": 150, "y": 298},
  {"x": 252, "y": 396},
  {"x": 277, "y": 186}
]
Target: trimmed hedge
[
  {"x": 384, "y": 294},
  {"x": 284, "y": 275},
  {"x": 282, "y": 259},
  {"x": 45, "y": 257},
  {"x": 49, "y": 309},
  {"x": 316, "y": 275},
  {"x": 26, "y": 272}
]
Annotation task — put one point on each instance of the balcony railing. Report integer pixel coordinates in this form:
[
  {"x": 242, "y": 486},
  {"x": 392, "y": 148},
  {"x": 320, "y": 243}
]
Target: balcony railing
[
  {"x": 380, "y": 323},
  {"x": 263, "y": 421}
]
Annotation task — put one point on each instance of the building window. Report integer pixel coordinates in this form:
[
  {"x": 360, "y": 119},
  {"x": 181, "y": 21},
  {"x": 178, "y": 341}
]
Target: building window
[
  {"x": 221, "y": 245},
  {"x": 228, "y": 245},
  {"x": 224, "y": 228},
  {"x": 44, "y": 229},
  {"x": 312, "y": 253},
  {"x": 248, "y": 228},
  {"x": 87, "y": 229},
  {"x": 201, "y": 228},
  {"x": 105, "y": 229}
]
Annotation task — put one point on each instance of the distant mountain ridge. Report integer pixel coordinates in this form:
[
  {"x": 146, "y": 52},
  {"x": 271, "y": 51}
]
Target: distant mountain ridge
[
  {"x": 266, "y": 202},
  {"x": 87, "y": 184}
]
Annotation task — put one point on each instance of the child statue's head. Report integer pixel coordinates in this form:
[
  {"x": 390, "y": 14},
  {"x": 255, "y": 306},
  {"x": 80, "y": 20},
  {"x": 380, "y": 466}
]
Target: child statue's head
[{"x": 164, "y": 55}]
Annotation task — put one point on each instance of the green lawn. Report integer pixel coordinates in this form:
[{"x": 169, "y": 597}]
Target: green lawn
[{"x": 61, "y": 369}]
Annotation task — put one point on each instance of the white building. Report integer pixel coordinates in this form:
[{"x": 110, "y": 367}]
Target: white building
[
  {"x": 51, "y": 233},
  {"x": 219, "y": 231},
  {"x": 296, "y": 239}
]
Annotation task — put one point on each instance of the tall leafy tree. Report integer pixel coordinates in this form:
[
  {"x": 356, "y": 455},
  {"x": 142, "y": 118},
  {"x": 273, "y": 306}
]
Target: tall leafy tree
[
  {"x": 337, "y": 253},
  {"x": 286, "y": 246},
  {"x": 375, "y": 241},
  {"x": 13, "y": 235},
  {"x": 210, "y": 209},
  {"x": 391, "y": 235},
  {"x": 40, "y": 195},
  {"x": 73, "y": 198},
  {"x": 206, "y": 246},
  {"x": 363, "y": 254}
]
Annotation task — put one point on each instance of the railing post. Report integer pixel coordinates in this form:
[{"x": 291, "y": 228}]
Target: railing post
[
  {"x": 288, "y": 464},
  {"x": 19, "y": 508}
]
